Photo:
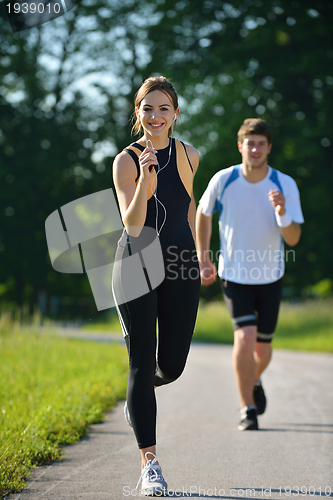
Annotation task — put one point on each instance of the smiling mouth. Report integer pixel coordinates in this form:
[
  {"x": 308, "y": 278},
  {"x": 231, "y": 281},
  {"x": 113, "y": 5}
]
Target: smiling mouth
[{"x": 156, "y": 125}]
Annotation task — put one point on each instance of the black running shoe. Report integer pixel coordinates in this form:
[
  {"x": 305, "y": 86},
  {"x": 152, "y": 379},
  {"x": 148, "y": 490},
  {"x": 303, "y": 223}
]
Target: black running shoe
[
  {"x": 249, "y": 420},
  {"x": 259, "y": 398}
]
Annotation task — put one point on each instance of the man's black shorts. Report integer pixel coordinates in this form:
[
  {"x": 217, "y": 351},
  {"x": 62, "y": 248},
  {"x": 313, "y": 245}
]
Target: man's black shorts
[{"x": 254, "y": 305}]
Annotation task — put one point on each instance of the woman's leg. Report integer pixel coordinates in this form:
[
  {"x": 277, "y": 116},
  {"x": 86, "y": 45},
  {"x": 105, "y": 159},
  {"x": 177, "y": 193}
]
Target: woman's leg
[
  {"x": 139, "y": 319},
  {"x": 178, "y": 299}
]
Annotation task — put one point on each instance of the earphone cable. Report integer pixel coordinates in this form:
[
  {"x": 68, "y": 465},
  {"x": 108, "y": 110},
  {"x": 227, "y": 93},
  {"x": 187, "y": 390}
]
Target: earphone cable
[{"x": 159, "y": 170}]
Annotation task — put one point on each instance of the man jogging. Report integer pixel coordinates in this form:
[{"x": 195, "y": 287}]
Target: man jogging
[{"x": 259, "y": 208}]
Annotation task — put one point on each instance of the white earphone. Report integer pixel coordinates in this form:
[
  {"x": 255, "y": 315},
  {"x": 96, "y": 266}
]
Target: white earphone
[
  {"x": 157, "y": 201},
  {"x": 159, "y": 169}
]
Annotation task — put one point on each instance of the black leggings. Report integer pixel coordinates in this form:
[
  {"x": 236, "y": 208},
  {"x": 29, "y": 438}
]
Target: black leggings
[{"x": 173, "y": 305}]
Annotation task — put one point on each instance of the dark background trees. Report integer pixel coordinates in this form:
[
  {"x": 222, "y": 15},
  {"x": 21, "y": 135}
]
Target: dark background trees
[{"x": 66, "y": 98}]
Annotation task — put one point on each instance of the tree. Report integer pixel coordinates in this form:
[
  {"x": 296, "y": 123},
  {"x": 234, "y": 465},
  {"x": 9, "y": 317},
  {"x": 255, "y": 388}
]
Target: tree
[
  {"x": 234, "y": 60},
  {"x": 64, "y": 113},
  {"x": 67, "y": 96}
]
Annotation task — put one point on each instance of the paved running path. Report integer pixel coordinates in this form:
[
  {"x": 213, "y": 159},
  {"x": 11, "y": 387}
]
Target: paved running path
[{"x": 202, "y": 453}]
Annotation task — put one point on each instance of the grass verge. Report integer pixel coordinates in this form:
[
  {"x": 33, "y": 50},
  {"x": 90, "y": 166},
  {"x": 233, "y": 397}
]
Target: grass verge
[
  {"x": 52, "y": 389},
  {"x": 110, "y": 326},
  {"x": 307, "y": 326}
]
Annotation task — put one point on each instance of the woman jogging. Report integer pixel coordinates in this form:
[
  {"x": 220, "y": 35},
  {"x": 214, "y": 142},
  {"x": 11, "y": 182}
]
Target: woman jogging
[{"x": 153, "y": 178}]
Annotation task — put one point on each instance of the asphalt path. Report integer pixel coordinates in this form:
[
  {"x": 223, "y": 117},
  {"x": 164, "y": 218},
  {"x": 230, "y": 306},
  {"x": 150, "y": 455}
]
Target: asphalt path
[{"x": 201, "y": 451}]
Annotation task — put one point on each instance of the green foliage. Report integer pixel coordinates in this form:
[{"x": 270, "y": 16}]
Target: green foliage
[
  {"x": 323, "y": 288},
  {"x": 213, "y": 324},
  {"x": 306, "y": 326},
  {"x": 58, "y": 135},
  {"x": 67, "y": 96},
  {"x": 51, "y": 390},
  {"x": 234, "y": 60},
  {"x": 302, "y": 326}
]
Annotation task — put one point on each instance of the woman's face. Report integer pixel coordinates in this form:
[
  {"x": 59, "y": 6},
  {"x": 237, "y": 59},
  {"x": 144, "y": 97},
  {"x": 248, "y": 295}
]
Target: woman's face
[{"x": 156, "y": 113}]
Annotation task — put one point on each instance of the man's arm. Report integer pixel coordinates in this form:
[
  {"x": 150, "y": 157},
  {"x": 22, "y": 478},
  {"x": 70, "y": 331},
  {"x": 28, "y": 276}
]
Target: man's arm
[
  {"x": 290, "y": 230},
  {"x": 291, "y": 234},
  {"x": 204, "y": 231}
]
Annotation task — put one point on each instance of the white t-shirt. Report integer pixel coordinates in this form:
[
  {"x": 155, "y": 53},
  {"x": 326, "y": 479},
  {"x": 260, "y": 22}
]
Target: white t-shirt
[{"x": 251, "y": 245}]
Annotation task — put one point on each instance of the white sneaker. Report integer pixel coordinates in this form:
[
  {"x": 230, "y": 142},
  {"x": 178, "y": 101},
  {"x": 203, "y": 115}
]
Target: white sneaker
[
  {"x": 153, "y": 483},
  {"x": 126, "y": 414}
]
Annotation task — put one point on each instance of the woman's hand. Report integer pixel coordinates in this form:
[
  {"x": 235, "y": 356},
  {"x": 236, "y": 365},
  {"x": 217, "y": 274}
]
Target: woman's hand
[{"x": 148, "y": 159}]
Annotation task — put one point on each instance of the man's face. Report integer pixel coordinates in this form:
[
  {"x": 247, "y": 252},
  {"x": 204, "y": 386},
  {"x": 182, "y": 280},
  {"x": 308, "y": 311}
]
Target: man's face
[{"x": 254, "y": 150}]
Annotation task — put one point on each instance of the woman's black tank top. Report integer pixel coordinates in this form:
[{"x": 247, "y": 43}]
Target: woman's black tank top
[{"x": 172, "y": 193}]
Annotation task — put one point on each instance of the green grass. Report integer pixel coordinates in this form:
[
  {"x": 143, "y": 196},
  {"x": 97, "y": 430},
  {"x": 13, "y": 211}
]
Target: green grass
[
  {"x": 213, "y": 324},
  {"x": 307, "y": 326},
  {"x": 51, "y": 390},
  {"x": 111, "y": 326}
]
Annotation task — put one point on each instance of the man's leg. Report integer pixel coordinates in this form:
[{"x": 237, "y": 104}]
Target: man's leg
[
  {"x": 267, "y": 304},
  {"x": 245, "y": 370},
  {"x": 262, "y": 357},
  {"x": 240, "y": 301},
  {"x": 250, "y": 359},
  {"x": 244, "y": 363}
]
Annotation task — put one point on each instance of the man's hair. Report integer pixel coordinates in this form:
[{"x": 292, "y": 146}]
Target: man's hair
[{"x": 254, "y": 126}]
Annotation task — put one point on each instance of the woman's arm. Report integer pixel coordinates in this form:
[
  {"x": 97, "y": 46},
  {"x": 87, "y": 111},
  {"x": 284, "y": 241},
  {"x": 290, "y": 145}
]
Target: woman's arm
[
  {"x": 191, "y": 216},
  {"x": 194, "y": 159},
  {"x": 132, "y": 197}
]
